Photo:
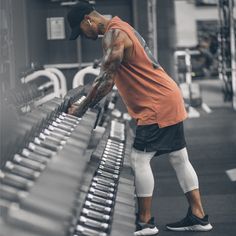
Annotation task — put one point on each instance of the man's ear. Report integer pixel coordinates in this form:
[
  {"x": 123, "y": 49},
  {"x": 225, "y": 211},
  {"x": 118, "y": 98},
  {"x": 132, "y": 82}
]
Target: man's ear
[{"x": 87, "y": 17}]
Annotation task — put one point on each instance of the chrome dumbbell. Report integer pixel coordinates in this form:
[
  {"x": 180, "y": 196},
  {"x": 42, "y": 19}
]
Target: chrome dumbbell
[
  {"x": 15, "y": 181},
  {"x": 97, "y": 207},
  {"x": 116, "y": 167},
  {"x": 93, "y": 223},
  {"x": 104, "y": 181},
  {"x": 103, "y": 187},
  {"x": 108, "y": 169},
  {"x": 95, "y": 215},
  {"x": 100, "y": 200},
  {"x": 101, "y": 193},
  {"x": 107, "y": 175},
  {"x": 21, "y": 171},
  {"x": 113, "y": 157},
  {"x": 88, "y": 232},
  {"x": 33, "y": 156},
  {"x": 26, "y": 162}
]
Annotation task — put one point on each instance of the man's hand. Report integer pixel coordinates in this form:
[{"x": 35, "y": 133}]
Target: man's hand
[
  {"x": 78, "y": 109},
  {"x": 72, "y": 109}
]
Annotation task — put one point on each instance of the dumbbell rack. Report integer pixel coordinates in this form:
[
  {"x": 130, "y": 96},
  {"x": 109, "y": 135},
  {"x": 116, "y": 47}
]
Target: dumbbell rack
[
  {"x": 38, "y": 184},
  {"x": 51, "y": 187},
  {"x": 110, "y": 196}
]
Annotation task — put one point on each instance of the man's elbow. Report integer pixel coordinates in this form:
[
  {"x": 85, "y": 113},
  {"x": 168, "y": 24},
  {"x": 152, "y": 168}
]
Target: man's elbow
[{"x": 114, "y": 63}]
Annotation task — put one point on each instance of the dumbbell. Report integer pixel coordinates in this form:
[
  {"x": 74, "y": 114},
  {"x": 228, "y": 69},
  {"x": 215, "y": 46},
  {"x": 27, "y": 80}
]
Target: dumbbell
[
  {"x": 26, "y": 167},
  {"x": 107, "y": 159},
  {"x": 34, "y": 156},
  {"x": 102, "y": 187},
  {"x": 95, "y": 215},
  {"x": 117, "y": 130},
  {"x": 82, "y": 230},
  {"x": 109, "y": 168},
  {"x": 76, "y": 152},
  {"x": 101, "y": 193},
  {"x": 32, "y": 164},
  {"x": 11, "y": 194},
  {"x": 15, "y": 181},
  {"x": 21, "y": 171},
  {"x": 110, "y": 165},
  {"x": 85, "y": 221},
  {"x": 104, "y": 181},
  {"x": 97, "y": 207},
  {"x": 99, "y": 200}
]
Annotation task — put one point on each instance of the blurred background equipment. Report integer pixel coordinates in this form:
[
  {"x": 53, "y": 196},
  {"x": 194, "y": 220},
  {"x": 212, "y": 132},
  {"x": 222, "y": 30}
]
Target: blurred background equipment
[{"x": 227, "y": 55}]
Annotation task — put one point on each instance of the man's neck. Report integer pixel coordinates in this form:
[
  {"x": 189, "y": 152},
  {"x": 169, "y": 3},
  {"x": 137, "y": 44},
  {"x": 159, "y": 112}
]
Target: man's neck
[{"x": 102, "y": 25}]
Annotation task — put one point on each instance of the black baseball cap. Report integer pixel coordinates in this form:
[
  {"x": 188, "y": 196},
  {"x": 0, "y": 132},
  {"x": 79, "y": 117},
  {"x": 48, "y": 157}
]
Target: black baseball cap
[{"x": 76, "y": 15}]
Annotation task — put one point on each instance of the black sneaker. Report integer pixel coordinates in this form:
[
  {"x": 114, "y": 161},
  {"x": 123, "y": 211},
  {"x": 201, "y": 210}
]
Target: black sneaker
[
  {"x": 191, "y": 223},
  {"x": 147, "y": 229}
]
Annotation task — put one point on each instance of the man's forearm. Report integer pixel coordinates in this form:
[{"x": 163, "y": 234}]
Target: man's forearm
[{"x": 101, "y": 87}]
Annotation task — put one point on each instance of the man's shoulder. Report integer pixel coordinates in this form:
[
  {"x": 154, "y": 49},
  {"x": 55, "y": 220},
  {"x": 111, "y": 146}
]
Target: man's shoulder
[{"x": 116, "y": 35}]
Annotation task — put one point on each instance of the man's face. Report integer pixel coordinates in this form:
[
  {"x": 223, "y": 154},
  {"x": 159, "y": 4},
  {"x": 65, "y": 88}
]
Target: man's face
[{"x": 89, "y": 29}]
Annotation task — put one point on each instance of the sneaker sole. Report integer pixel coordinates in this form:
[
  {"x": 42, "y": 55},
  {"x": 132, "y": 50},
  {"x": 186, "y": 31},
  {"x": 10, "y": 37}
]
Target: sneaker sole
[
  {"x": 202, "y": 228},
  {"x": 147, "y": 232}
]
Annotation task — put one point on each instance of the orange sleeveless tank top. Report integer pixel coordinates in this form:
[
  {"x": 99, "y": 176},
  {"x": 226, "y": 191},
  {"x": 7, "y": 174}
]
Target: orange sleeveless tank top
[{"x": 150, "y": 95}]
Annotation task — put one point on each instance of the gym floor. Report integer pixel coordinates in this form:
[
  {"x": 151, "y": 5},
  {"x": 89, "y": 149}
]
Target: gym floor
[{"x": 211, "y": 140}]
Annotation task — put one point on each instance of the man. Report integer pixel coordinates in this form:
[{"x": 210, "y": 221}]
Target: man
[{"x": 153, "y": 99}]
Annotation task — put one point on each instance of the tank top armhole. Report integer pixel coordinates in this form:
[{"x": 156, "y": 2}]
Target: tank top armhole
[{"x": 134, "y": 43}]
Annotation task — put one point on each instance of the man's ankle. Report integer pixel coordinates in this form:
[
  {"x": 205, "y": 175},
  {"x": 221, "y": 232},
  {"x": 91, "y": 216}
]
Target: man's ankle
[
  {"x": 199, "y": 213},
  {"x": 144, "y": 218}
]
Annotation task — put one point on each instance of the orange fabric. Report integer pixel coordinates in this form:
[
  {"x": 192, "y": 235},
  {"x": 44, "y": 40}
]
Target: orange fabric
[{"x": 150, "y": 95}]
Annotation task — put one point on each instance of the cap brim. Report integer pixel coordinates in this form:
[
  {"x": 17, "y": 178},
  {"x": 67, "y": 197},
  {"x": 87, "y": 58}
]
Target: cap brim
[{"x": 75, "y": 33}]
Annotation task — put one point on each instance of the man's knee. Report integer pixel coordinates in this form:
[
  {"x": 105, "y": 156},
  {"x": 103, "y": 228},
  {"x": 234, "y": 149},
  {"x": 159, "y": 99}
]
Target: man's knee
[
  {"x": 140, "y": 159},
  {"x": 178, "y": 157}
]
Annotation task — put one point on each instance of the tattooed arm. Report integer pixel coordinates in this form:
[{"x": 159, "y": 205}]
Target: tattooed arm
[{"x": 113, "y": 45}]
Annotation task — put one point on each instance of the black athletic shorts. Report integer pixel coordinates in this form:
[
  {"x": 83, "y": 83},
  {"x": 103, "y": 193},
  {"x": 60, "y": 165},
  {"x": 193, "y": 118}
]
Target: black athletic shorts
[{"x": 152, "y": 138}]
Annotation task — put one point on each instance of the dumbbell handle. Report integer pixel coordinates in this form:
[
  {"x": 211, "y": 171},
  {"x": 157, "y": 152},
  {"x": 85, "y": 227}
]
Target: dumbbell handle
[
  {"x": 67, "y": 118},
  {"x": 36, "y": 157},
  {"x": 114, "y": 150},
  {"x": 54, "y": 134},
  {"x": 22, "y": 171},
  {"x": 107, "y": 160},
  {"x": 115, "y": 142},
  {"x": 119, "y": 147},
  {"x": 12, "y": 194},
  {"x": 15, "y": 181},
  {"x": 99, "y": 199},
  {"x": 108, "y": 175},
  {"x": 93, "y": 223},
  {"x": 62, "y": 132},
  {"x": 89, "y": 232},
  {"x": 101, "y": 193},
  {"x": 108, "y": 169},
  {"x": 112, "y": 166},
  {"x": 97, "y": 207},
  {"x": 34, "y": 165},
  {"x": 102, "y": 187},
  {"x": 104, "y": 181},
  {"x": 110, "y": 157},
  {"x": 40, "y": 150},
  {"x": 47, "y": 144},
  {"x": 112, "y": 154},
  {"x": 95, "y": 214}
]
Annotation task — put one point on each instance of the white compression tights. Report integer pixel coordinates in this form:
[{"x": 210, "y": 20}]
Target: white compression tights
[{"x": 144, "y": 181}]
